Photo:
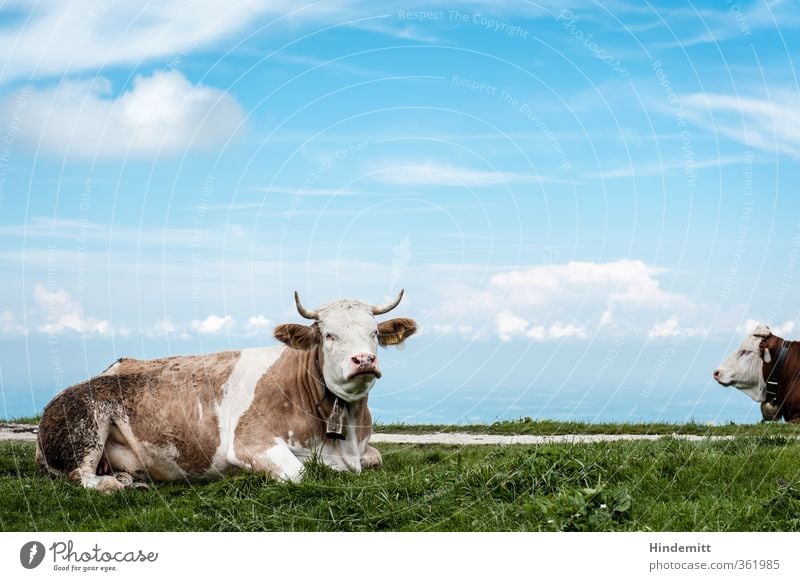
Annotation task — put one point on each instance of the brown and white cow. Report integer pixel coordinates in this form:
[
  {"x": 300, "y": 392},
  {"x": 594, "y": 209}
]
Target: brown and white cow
[
  {"x": 752, "y": 364},
  {"x": 266, "y": 409}
]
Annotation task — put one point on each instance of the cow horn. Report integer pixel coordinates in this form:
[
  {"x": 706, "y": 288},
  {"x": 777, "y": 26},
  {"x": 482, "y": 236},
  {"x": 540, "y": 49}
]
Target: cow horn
[
  {"x": 304, "y": 312},
  {"x": 388, "y": 307}
]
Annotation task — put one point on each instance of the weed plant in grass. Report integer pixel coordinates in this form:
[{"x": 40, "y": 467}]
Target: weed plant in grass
[{"x": 745, "y": 484}]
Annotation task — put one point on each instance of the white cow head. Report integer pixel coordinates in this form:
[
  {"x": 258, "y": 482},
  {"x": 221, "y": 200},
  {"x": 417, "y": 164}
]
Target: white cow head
[
  {"x": 346, "y": 337},
  {"x": 743, "y": 369}
]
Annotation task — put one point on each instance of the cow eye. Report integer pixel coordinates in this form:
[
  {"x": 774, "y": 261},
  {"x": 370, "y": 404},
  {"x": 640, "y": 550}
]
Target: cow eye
[
  {"x": 742, "y": 353},
  {"x": 330, "y": 337}
]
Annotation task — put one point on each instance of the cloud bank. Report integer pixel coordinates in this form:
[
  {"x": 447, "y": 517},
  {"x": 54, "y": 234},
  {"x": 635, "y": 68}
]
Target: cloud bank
[{"x": 572, "y": 301}]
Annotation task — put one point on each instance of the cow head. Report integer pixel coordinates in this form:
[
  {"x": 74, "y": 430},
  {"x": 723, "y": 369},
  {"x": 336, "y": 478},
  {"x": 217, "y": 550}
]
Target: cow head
[
  {"x": 346, "y": 337},
  {"x": 743, "y": 369}
]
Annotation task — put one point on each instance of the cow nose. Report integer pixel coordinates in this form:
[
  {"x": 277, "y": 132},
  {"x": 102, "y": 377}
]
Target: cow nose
[
  {"x": 363, "y": 359},
  {"x": 716, "y": 374}
]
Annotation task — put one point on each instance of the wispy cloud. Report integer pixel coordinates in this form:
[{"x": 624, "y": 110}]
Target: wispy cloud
[
  {"x": 335, "y": 66},
  {"x": 389, "y": 25},
  {"x": 71, "y": 37},
  {"x": 732, "y": 20},
  {"x": 48, "y": 229},
  {"x": 429, "y": 174},
  {"x": 9, "y": 324},
  {"x": 657, "y": 169},
  {"x": 768, "y": 125},
  {"x": 303, "y": 191},
  {"x": 65, "y": 38}
]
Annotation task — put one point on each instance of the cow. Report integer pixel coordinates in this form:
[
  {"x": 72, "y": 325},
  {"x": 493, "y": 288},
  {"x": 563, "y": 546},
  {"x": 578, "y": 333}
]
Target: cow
[
  {"x": 766, "y": 368},
  {"x": 267, "y": 409}
]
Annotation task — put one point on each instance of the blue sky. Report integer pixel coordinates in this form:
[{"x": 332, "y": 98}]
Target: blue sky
[{"x": 587, "y": 206}]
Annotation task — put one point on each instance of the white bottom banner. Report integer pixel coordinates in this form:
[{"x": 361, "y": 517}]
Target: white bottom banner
[{"x": 355, "y": 556}]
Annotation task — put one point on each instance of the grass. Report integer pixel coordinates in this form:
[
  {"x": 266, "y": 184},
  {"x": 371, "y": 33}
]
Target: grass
[
  {"x": 529, "y": 426},
  {"x": 25, "y": 420},
  {"x": 747, "y": 484}
]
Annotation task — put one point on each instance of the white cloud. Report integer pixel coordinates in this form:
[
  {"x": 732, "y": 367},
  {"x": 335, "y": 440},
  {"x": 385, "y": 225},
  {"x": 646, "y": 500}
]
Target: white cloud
[
  {"x": 616, "y": 282},
  {"x": 769, "y": 125},
  {"x": 163, "y": 112},
  {"x": 561, "y": 331},
  {"x": 668, "y": 328},
  {"x": 258, "y": 324},
  {"x": 58, "y": 313},
  {"x": 783, "y": 330},
  {"x": 508, "y": 324},
  {"x": 9, "y": 324},
  {"x": 212, "y": 324},
  {"x": 162, "y": 327},
  {"x": 572, "y": 300},
  {"x": 672, "y": 328}
]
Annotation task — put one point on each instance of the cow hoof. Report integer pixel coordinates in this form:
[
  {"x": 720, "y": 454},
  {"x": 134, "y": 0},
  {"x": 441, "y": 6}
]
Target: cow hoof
[
  {"x": 104, "y": 484},
  {"x": 124, "y": 478},
  {"x": 371, "y": 459},
  {"x": 140, "y": 486}
]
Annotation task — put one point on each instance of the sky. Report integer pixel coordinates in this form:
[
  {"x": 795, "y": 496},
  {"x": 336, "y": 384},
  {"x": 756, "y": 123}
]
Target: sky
[{"x": 589, "y": 204}]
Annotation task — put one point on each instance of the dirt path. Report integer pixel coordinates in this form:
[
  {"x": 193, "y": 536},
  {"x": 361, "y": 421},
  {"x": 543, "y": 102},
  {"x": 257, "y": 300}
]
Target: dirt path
[{"x": 27, "y": 433}]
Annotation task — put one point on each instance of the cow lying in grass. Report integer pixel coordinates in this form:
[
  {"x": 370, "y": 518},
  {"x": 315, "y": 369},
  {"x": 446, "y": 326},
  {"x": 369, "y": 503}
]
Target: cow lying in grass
[
  {"x": 766, "y": 368},
  {"x": 267, "y": 409}
]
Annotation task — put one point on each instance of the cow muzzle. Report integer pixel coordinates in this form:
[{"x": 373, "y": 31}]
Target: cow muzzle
[
  {"x": 364, "y": 364},
  {"x": 718, "y": 378}
]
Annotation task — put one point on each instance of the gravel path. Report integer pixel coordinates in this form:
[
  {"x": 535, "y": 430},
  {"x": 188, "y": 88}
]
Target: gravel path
[
  {"x": 18, "y": 432},
  {"x": 460, "y": 439},
  {"x": 27, "y": 433}
]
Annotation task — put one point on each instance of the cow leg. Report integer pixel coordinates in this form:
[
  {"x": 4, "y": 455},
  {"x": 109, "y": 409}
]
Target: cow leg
[
  {"x": 371, "y": 458},
  {"x": 125, "y": 456},
  {"x": 94, "y": 444},
  {"x": 278, "y": 461},
  {"x": 794, "y": 420}
]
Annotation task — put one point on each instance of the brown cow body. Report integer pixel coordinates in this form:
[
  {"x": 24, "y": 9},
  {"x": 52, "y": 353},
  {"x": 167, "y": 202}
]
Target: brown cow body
[{"x": 787, "y": 403}]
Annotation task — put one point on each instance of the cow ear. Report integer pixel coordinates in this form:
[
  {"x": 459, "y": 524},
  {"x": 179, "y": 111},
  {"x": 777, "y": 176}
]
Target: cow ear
[
  {"x": 297, "y": 336},
  {"x": 395, "y": 331}
]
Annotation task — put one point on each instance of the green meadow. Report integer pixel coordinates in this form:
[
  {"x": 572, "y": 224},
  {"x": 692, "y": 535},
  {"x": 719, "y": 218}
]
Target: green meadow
[{"x": 748, "y": 483}]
